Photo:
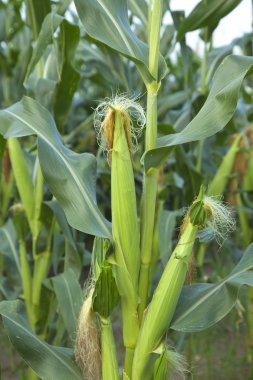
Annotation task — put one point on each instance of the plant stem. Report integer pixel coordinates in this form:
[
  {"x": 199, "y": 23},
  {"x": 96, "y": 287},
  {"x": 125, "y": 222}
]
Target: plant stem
[
  {"x": 110, "y": 369},
  {"x": 204, "y": 63},
  {"x": 150, "y": 178},
  {"x": 27, "y": 281}
]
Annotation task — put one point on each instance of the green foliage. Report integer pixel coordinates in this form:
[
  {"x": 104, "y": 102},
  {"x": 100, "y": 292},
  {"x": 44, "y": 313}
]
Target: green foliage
[{"x": 57, "y": 191}]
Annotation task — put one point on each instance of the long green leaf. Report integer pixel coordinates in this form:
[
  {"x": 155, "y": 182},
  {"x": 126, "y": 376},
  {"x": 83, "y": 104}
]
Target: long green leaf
[
  {"x": 202, "y": 305},
  {"x": 49, "y": 362},
  {"x": 69, "y": 295},
  {"x": 206, "y": 14},
  {"x": 70, "y": 176},
  {"x": 107, "y": 22},
  {"x": 215, "y": 114}
]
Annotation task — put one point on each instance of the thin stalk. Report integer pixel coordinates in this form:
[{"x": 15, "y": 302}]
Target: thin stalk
[
  {"x": 201, "y": 255},
  {"x": 203, "y": 89},
  {"x": 38, "y": 199},
  {"x": 26, "y": 281},
  {"x": 204, "y": 63},
  {"x": 41, "y": 265},
  {"x": 200, "y": 154},
  {"x": 155, "y": 245},
  {"x": 150, "y": 178},
  {"x": 110, "y": 369}
]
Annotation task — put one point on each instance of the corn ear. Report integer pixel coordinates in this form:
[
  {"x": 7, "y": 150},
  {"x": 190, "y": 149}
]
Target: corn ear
[
  {"x": 125, "y": 229},
  {"x": 161, "y": 309}
]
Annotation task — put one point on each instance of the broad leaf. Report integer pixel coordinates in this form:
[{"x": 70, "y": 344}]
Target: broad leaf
[
  {"x": 69, "y": 295},
  {"x": 47, "y": 361},
  {"x": 206, "y": 14},
  {"x": 71, "y": 177},
  {"x": 107, "y": 21},
  {"x": 202, "y": 305},
  {"x": 215, "y": 114}
]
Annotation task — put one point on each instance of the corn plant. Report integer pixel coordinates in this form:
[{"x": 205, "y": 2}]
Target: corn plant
[{"x": 126, "y": 248}]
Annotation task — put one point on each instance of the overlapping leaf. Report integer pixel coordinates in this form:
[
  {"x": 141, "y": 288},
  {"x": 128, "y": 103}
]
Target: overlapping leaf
[
  {"x": 202, "y": 305},
  {"x": 70, "y": 176},
  {"x": 206, "y": 14},
  {"x": 69, "y": 295},
  {"x": 47, "y": 361},
  {"x": 107, "y": 21},
  {"x": 215, "y": 114}
]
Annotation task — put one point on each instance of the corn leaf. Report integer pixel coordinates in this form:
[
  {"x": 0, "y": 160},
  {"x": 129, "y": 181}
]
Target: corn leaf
[
  {"x": 47, "y": 361},
  {"x": 50, "y": 24},
  {"x": 107, "y": 21},
  {"x": 70, "y": 176},
  {"x": 69, "y": 295},
  {"x": 215, "y": 114},
  {"x": 206, "y": 14},
  {"x": 202, "y": 305},
  {"x": 37, "y": 11}
]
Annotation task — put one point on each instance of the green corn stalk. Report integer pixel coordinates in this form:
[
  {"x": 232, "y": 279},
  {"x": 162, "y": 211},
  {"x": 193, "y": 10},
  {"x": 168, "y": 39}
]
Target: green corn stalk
[
  {"x": 110, "y": 369},
  {"x": 150, "y": 178},
  {"x": 19, "y": 222},
  {"x": 22, "y": 178},
  {"x": 161, "y": 309}
]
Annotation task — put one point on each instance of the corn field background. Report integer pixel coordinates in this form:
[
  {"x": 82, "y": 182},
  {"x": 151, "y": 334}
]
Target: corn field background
[{"x": 126, "y": 192}]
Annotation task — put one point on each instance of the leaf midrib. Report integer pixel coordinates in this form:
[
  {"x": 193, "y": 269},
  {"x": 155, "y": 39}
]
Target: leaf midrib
[
  {"x": 46, "y": 346},
  {"x": 205, "y": 297},
  {"x": 82, "y": 190},
  {"x": 117, "y": 27}
]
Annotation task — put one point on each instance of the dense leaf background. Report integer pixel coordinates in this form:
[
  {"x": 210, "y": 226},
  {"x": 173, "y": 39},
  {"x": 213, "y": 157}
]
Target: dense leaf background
[{"x": 58, "y": 60}]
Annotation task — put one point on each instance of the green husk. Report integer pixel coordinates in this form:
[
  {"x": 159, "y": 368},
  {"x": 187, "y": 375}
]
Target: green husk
[
  {"x": 159, "y": 313},
  {"x": 161, "y": 309},
  {"x": 125, "y": 231}
]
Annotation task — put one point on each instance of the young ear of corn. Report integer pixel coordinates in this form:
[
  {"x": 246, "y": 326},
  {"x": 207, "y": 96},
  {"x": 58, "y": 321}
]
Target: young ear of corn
[
  {"x": 116, "y": 135},
  {"x": 160, "y": 311},
  {"x": 125, "y": 231}
]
